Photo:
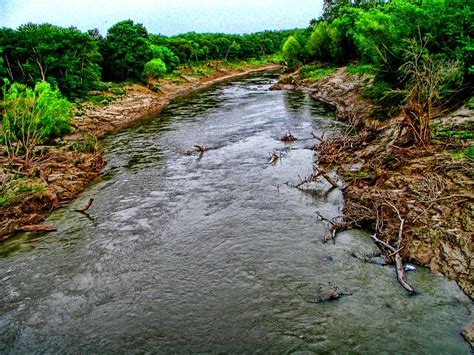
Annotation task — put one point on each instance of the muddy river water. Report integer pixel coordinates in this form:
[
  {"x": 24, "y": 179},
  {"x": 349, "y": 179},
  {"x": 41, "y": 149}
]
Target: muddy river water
[{"x": 216, "y": 252}]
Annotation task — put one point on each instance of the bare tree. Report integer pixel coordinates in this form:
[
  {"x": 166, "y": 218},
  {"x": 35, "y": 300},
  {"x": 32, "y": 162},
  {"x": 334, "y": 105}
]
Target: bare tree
[{"x": 428, "y": 83}]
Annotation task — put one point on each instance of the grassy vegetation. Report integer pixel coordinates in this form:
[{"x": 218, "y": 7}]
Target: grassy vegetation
[
  {"x": 362, "y": 69},
  {"x": 14, "y": 189},
  {"x": 464, "y": 153},
  {"x": 313, "y": 72}
]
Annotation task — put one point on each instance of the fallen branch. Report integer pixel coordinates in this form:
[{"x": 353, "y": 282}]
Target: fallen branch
[
  {"x": 273, "y": 157},
  {"x": 288, "y": 137},
  {"x": 318, "y": 138},
  {"x": 325, "y": 175},
  {"x": 335, "y": 227},
  {"x": 84, "y": 208},
  {"x": 200, "y": 148},
  {"x": 313, "y": 177},
  {"x": 37, "y": 228},
  {"x": 398, "y": 263}
]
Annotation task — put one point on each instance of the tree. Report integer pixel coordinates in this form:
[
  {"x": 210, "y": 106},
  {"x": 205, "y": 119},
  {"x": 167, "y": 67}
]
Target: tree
[
  {"x": 125, "y": 51},
  {"x": 291, "y": 51},
  {"x": 63, "y": 57},
  {"x": 32, "y": 117},
  {"x": 428, "y": 82},
  {"x": 166, "y": 55},
  {"x": 154, "y": 69}
]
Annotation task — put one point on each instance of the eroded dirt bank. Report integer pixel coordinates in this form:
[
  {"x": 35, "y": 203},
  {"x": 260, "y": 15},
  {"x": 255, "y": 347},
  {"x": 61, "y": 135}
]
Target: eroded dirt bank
[
  {"x": 430, "y": 187},
  {"x": 59, "y": 173}
]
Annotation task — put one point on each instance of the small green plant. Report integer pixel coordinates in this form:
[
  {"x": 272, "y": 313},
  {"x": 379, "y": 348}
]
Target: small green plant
[
  {"x": 385, "y": 99},
  {"x": 89, "y": 145},
  {"x": 464, "y": 153},
  {"x": 13, "y": 189}
]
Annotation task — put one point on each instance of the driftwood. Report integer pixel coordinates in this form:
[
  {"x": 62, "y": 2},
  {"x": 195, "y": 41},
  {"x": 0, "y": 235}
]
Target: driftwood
[
  {"x": 321, "y": 139},
  {"x": 273, "y": 158},
  {"x": 288, "y": 138},
  {"x": 84, "y": 208},
  {"x": 330, "y": 233},
  {"x": 325, "y": 175},
  {"x": 200, "y": 148},
  {"x": 395, "y": 252},
  {"x": 314, "y": 176},
  {"x": 37, "y": 228}
]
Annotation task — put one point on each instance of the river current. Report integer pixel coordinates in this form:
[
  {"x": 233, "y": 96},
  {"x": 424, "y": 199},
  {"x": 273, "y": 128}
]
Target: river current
[{"x": 217, "y": 252}]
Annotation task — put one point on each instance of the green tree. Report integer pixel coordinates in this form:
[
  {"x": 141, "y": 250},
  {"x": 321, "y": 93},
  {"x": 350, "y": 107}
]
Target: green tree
[
  {"x": 32, "y": 117},
  {"x": 154, "y": 69},
  {"x": 64, "y": 57},
  {"x": 291, "y": 51},
  {"x": 125, "y": 51},
  {"x": 166, "y": 55}
]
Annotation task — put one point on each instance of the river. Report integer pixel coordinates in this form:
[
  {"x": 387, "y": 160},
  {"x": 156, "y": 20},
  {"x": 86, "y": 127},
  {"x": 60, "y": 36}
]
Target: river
[{"x": 216, "y": 252}]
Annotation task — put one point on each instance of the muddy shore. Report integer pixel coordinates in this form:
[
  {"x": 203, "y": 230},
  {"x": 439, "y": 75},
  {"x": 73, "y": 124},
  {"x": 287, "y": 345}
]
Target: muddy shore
[
  {"x": 59, "y": 173},
  {"x": 429, "y": 186}
]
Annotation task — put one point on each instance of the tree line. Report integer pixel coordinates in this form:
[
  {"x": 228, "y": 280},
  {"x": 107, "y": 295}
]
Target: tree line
[
  {"x": 75, "y": 61},
  {"x": 379, "y": 33},
  {"x": 421, "y": 52}
]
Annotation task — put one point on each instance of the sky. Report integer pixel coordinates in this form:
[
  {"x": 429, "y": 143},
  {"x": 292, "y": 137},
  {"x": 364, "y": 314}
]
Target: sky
[{"x": 167, "y": 17}]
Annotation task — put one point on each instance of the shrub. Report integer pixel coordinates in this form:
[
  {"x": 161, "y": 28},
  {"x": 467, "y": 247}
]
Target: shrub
[
  {"x": 154, "y": 69},
  {"x": 33, "y": 116},
  {"x": 291, "y": 51}
]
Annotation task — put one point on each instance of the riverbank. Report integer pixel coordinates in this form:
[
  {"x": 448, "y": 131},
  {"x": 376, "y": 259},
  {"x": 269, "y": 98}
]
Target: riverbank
[
  {"x": 59, "y": 173},
  {"x": 431, "y": 186}
]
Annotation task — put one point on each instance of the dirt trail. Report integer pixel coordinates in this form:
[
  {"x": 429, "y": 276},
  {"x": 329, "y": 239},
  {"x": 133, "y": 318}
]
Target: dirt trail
[
  {"x": 59, "y": 174},
  {"x": 431, "y": 189}
]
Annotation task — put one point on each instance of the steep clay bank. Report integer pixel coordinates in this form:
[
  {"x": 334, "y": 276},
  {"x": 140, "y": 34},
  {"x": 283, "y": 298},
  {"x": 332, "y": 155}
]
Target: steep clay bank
[
  {"x": 59, "y": 174},
  {"x": 431, "y": 189}
]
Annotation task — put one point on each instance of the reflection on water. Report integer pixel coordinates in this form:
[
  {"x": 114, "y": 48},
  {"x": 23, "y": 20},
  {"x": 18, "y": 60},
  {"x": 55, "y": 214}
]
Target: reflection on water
[{"x": 218, "y": 253}]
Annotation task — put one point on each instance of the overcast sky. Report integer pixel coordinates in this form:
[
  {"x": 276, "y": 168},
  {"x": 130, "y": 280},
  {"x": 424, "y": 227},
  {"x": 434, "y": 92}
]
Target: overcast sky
[{"x": 167, "y": 17}]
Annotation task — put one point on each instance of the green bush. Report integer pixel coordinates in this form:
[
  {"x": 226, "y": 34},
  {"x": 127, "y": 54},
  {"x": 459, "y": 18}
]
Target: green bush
[
  {"x": 154, "y": 69},
  {"x": 33, "y": 116},
  {"x": 291, "y": 51}
]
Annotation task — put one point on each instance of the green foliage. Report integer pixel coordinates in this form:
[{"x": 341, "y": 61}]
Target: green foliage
[
  {"x": 125, "y": 51},
  {"x": 154, "y": 69},
  {"x": 312, "y": 72},
  {"x": 362, "y": 69},
  {"x": 33, "y": 116},
  {"x": 14, "y": 189},
  {"x": 386, "y": 100},
  {"x": 291, "y": 51},
  {"x": 63, "y": 57},
  {"x": 464, "y": 153},
  {"x": 170, "y": 60},
  {"x": 89, "y": 145}
]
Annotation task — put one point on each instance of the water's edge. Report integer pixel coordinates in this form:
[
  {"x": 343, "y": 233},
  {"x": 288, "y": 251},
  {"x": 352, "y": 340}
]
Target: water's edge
[{"x": 215, "y": 252}]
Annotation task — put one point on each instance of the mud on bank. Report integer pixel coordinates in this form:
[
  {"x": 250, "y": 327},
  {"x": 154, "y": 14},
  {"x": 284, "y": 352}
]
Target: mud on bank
[
  {"x": 430, "y": 187},
  {"x": 59, "y": 173}
]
